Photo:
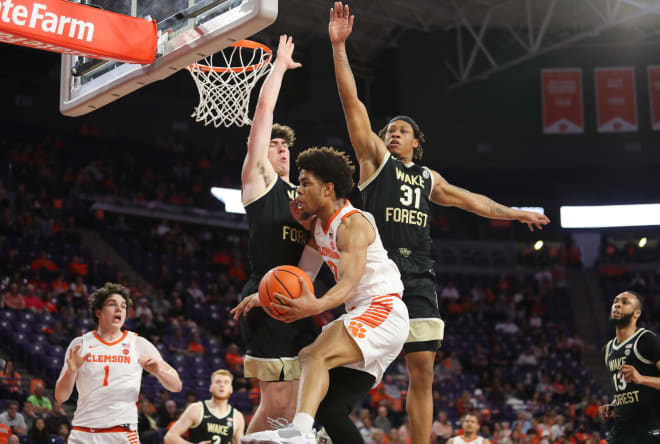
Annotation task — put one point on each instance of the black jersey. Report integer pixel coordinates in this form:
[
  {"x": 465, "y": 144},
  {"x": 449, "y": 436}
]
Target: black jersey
[
  {"x": 275, "y": 236},
  {"x": 399, "y": 197},
  {"x": 635, "y": 404},
  {"x": 218, "y": 430}
]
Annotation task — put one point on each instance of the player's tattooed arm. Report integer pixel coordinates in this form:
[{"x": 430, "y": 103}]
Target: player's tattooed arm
[{"x": 444, "y": 193}]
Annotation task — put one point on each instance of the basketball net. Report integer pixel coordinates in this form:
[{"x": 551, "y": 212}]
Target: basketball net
[{"x": 224, "y": 89}]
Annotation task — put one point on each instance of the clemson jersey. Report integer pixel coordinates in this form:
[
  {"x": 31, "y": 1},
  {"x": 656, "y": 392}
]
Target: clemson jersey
[
  {"x": 108, "y": 383},
  {"x": 381, "y": 276}
]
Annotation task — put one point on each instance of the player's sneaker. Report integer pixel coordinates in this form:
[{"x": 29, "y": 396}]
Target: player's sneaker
[
  {"x": 287, "y": 435},
  {"x": 322, "y": 437},
  {"x": 284, "y": 434}
]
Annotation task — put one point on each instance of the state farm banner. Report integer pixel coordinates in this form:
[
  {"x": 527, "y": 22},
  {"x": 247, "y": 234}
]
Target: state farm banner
[
  {"x": 616, "y": 102},
  {"x": 562, "y": 101},
  {"x": 72, "y": 28},
  {"x": 654, "y": 92}
]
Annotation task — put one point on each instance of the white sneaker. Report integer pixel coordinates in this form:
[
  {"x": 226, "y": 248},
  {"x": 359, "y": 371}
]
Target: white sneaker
[
  {"x": 322, "y": 437},
  {"x": 286, "y": 435}
]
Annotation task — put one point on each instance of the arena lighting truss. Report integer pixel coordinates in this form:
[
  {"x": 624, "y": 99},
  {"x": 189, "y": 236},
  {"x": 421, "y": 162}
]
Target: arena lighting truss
[
  {"x": 529, "y": 28},
  {"x": 489, "y": 35}
]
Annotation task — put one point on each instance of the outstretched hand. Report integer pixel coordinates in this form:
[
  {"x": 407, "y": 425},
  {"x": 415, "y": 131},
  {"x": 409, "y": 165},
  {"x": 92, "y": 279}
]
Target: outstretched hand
[
  {"x": 293, "y": 309},
  {"x": 75, "y": 359},
  {"x": 285, "y": 53},
  {"x": 341, "y": 23},
  {"x": 533, "y": 219},
  {"x": 246, "y": 305}
]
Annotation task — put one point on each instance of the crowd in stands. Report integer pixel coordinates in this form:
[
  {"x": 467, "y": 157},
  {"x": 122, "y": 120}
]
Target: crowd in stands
[{"x": 510, "y": 353}]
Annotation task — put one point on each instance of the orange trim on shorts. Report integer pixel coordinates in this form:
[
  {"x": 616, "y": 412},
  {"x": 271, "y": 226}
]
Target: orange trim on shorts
[
  {"x": 378, "y": 311},
  {"x": 115, "y": 429}
]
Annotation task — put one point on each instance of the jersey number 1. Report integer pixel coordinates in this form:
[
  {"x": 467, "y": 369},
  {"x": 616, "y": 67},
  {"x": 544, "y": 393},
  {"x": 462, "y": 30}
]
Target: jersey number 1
[
  {"x": 107, "y": 372},
  {"x": 407, "y": 197}
]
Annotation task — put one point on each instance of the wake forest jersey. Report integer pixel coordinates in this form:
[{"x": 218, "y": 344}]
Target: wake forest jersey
[
  {"x": 275, "y": 236},
  {"x": 633, "y": 403},
  {"x": 399, "y": 198},
  {"x": 217, "y": 429}
]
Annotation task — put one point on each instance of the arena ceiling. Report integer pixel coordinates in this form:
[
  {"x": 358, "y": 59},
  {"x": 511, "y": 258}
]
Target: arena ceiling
[{"x": 482, "y": 27}]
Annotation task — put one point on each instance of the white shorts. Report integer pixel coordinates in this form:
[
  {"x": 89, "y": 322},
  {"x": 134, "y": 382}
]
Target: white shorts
[
  {"x": 102, "y": 437},
  {"x": 379, "y": 329}
]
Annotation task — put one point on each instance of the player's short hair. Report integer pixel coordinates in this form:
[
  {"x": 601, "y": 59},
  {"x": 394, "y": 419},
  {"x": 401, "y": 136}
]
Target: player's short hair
[
  {"x": 640, "y": 299},
  {"x": 222, "y": 372},
  {"x": 283, "y": 132},
  {"x": 98, "y": 298},
  {"x": 331, "y": 165},
  {"x": 474, "y": 415},
  {"x": 419, "y": 135}
]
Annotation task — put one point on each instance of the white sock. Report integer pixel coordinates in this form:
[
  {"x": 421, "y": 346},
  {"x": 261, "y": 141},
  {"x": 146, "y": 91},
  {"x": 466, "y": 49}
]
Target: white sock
[{"x": 303, "y": 422}]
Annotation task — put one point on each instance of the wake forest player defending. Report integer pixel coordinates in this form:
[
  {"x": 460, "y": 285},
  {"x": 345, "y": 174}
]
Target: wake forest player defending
[
  {"x": 399, "y": 194},
  {"x": 470, "y": 426},
  {"x": 370, "y": 335},
  {"x": 633, "y": 360},
  {"x": 275, "y": 239},
  {"x": 106, "y": 367},
  {"x": 213, "y": 421}
]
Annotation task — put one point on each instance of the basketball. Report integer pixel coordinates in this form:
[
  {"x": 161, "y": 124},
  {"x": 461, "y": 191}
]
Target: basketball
[{"x": 284, "y": 280}]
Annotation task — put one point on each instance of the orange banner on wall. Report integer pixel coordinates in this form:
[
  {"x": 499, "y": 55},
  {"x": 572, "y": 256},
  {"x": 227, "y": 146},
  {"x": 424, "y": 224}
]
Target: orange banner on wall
[
  {"x": 654, "y": 92},
  {"x": 562, "y": 101},
  {"x": 616, "y": 100},
  {"x": 71, "y": 28}
]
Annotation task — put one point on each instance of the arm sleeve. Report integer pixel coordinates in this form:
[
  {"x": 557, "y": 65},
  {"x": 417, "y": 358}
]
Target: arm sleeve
[
  {"x": 649, "y": 347},
  {"x": 144, "y": 347}
]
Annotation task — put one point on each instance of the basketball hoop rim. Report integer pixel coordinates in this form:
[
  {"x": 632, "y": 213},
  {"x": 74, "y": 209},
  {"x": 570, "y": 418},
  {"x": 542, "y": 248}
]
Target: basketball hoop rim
[{"x": 250, "y": 44}]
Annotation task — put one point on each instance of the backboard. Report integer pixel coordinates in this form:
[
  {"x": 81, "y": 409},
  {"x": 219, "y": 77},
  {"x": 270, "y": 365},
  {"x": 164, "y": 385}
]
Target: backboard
[{"x": 188, "y": 30}]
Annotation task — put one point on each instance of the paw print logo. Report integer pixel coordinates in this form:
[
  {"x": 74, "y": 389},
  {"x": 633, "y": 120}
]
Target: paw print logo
[{"x": 357, "y": 329}]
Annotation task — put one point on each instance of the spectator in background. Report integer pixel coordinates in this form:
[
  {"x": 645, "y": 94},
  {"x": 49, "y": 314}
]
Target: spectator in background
[
  {"x": 41, "y": 403},
  {"x": 143, "y": 309},
  {"x": 14, "y": 299},
  {"x": 382, "y": 421},
  {"x": 177, "y": 343},
  {"x": 441, "y": 428},
  {"x": 195, "y": 293},
  {"x": 77, "y": 267},
  {"x": 147, "y": 427},
  {"x": 367, "y": 429},
  {"x": 43, "y": 261},
  {"x": 5, "y": 433},
  {"x": 57, "y": 336},
  {"x": 56, "y": 419},
  {"x": 195, "y": 347},
  {"x": 28, "y": 414},
  {"x": 79, "y": 290},
  {"x": 38, "y": 433},
  {"x": 237, "y": 271},
  {"x": 450, "y": 292},
  {"x": 14, "y": 439},
  {"x": 378, "y": 436},
  {"x": 49, "y": 304},
  {"x": 32, "y": 300},
  {"x": 11, "y": 379},
  {"x": 59, "y": 286},
  {"x": 234, "y": 359},
  {"x": 169, "y": 415},
  {"x": 12, "y": 418}
]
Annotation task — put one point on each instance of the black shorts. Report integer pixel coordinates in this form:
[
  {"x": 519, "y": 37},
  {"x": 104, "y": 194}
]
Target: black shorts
[
  {"x": 267, "y": 339},
  {"x": 638, "y": 434},
  {"x": 426, "y": 324}
]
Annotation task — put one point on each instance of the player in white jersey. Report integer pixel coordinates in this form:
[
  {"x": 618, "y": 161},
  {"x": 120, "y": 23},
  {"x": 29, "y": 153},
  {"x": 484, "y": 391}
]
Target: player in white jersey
[
  {"x": 372, "y": 332},
  {"x": 106, "y": 367},
  {"x": 470, "y": 425}
]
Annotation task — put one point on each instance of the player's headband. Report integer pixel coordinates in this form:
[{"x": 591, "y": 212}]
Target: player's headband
[{"x": 409, "y": 120}]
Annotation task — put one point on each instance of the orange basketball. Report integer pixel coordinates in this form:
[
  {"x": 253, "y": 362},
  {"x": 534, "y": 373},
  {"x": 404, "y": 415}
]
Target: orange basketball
[{"x": 283, "y": 280}]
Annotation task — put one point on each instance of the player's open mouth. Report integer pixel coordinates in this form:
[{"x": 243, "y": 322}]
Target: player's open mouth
[{"x": 117, "y": 318}]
